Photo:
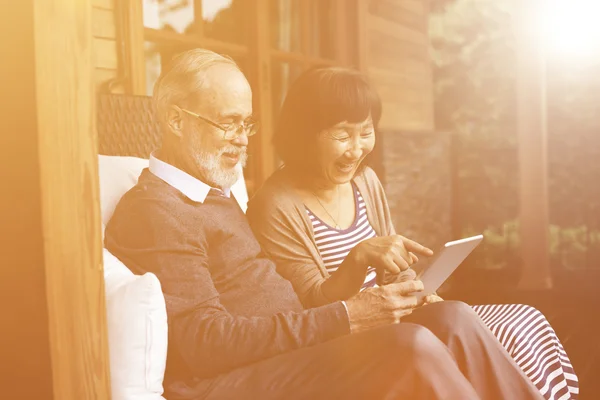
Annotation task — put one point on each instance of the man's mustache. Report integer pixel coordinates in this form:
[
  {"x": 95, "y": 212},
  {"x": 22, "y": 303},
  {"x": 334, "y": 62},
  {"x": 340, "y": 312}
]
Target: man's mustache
[{"x": 234, "y": 150}]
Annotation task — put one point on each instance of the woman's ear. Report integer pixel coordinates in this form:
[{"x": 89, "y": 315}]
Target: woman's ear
[{"x": 175, "y": 121}]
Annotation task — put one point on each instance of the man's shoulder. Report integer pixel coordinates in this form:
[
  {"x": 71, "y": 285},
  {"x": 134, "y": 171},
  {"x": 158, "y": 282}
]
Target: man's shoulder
[
  {"x": 151, "y": 191},
  {"x": 151, "y": 201}
]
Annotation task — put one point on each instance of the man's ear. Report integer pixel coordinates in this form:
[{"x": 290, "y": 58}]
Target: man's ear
[{"x": 175, "y": 121}]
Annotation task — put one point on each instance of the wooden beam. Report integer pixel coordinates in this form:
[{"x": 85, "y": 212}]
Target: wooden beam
[
  {"x": 288, "y": 56},
  {"x": 103, "y": 23},
  {"x": 261, "y": 77},
  {"x": 133, "y": 41},
  {"x": 305, "y": 31},
  {"x": 54, "y": 325},
  {"x": 342, "y": 32},
  {"x": 532, "y": 136},
  {"x": 104, "y": 4},
  {"x": 105, "y": 53},
  {"x": 362, "y": 31},
  {"x": 232, "y": 49},
  {"x": 397, "y": 30}
]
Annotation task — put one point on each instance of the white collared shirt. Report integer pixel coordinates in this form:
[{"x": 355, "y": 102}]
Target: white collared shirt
[{"x": 191, "y": 187}]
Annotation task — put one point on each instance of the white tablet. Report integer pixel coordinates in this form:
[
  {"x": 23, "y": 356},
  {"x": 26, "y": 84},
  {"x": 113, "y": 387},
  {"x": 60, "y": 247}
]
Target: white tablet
[{"x": 445, "y": 262}]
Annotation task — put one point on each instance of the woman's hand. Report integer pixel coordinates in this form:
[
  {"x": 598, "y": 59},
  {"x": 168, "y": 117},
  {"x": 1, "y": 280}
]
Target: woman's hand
[{"x": 392, "y": 254}]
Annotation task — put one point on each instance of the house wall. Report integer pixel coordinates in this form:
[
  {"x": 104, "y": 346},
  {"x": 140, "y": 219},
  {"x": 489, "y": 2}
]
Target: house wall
[{"x": 398, "y": 63}]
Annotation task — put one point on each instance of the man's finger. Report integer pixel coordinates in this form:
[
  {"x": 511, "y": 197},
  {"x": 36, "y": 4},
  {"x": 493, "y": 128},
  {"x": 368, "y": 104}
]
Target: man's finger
[
  {"x": 433, "y": 298},
  {"x": 408, "y": 287},
  {"x": 430, "y": 299},
  {"x": 413, "y": 246}
]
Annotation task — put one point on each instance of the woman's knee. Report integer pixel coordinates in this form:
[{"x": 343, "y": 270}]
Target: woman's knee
[
  {"x": 412, "y": 341},
  {"x": 446, "y": 318},
  {"x": 451, "y": 310}
]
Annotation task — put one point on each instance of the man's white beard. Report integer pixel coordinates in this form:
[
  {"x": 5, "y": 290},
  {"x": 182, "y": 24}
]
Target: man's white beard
[{"x": 211, "y": 164}]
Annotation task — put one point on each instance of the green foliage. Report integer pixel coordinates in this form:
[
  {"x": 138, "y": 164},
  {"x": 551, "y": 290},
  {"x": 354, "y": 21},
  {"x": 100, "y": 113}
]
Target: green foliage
[
  {"x": 569, "y": 246},
  {"x": 474, "y": 72},
  {"x": 474, "y": 60},
  {"x": 474, "y": 65}
]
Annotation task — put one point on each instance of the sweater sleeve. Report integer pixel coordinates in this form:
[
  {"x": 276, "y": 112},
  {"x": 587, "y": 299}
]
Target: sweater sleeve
[
  {"x": 283, "y": 237},
  {"x": 208, "y": 338}
]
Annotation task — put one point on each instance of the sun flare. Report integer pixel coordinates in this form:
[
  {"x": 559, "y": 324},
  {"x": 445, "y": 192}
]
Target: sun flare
[{"x": 571, "y": 27}]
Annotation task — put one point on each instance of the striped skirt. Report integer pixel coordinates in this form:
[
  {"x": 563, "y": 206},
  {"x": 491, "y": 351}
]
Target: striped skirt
[{"x": 528, "y": 337}]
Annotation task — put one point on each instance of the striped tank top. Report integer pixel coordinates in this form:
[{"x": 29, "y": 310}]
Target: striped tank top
[{"x": 335, "y": 244}]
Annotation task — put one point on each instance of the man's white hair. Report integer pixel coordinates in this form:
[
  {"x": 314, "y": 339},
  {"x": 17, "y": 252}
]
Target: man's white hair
[{"x": 183, "y": 77}]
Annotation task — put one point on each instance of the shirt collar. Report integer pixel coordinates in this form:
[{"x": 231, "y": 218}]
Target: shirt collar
[{"x": 191, "y": 187}]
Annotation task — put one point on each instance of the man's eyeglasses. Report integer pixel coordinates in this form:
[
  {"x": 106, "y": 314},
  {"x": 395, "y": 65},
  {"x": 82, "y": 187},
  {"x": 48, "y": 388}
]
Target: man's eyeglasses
[{"x": 231, "y": 131}]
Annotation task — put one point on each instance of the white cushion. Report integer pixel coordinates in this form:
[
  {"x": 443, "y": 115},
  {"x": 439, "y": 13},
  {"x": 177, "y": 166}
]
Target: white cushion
[
  {"x": 137, "y": 332},
  {"x": 119, "y": 174}
]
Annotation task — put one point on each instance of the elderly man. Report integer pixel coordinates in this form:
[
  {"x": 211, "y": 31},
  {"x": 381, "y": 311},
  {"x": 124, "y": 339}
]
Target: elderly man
[{"x": 237, "y": 329}]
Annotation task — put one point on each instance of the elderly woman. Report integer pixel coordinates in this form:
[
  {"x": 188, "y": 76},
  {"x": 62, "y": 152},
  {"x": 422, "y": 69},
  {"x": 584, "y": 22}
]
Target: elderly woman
[{"x": 324, "y": 219}]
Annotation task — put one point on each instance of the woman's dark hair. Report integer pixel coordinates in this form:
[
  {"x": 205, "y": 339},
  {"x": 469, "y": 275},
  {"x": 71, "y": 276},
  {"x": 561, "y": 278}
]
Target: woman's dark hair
[{"x": 320, "y": 98}]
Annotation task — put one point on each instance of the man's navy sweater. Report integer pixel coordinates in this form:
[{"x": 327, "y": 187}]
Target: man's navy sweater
[{"x": 226, "y": 304}]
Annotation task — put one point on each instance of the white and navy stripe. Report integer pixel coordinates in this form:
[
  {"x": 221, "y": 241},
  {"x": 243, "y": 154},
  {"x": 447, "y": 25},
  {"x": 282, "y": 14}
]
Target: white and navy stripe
[
  {"x": 528, "y": 337},
  {"x": 335, "y": 244},
  {"x": 523, "y": 331}
]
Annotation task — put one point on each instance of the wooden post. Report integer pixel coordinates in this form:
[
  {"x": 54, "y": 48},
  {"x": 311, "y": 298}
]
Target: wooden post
[
  {"x": 342, "y": 36},
  {"x": 362, "y": 29},
  {"x": 261, "y": 70},
  {"x": 532, "y": 137},
  {"x": 133, "y": 45},
  {"x": 53, "y": 335}
]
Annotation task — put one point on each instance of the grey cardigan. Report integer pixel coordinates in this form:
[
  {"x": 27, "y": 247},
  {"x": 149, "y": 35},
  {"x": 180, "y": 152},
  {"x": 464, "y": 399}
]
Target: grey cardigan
[{"x": 280, "y": 223}]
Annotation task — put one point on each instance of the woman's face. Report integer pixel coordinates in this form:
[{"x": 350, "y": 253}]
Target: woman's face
[{"x": 342, "y": 148}]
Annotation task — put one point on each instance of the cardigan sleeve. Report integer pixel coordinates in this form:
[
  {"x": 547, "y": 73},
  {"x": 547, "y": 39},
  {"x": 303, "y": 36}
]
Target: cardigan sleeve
[
  {"x": 283, "y": 236},
  {"x": 379, "y": 204}
]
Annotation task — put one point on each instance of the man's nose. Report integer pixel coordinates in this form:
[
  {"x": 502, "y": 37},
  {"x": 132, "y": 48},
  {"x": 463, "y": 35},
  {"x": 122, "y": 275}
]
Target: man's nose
[{"x": 241, "y": 140}]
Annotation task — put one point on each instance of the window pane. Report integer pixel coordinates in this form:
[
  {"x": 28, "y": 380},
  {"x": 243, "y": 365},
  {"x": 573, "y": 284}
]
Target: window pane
[
  {"x": 226, "y": 20},
  {"x": 285, "y": 25},
  {"x": 322, "y": 28},
  {"x": 171, "y": 15}
]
